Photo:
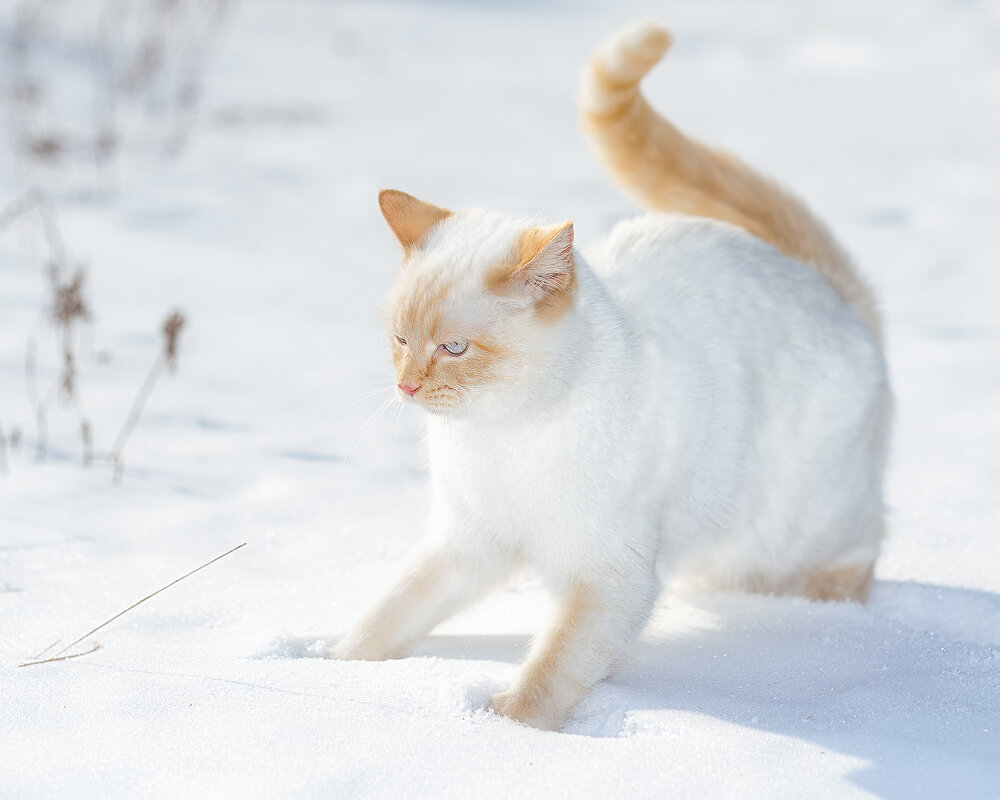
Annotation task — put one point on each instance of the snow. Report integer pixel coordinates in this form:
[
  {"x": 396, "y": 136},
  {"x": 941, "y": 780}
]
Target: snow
[{"x": 265, "y": 231}]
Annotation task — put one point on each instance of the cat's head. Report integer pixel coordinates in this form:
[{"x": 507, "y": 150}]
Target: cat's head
[{"x": 475, "y": 314}]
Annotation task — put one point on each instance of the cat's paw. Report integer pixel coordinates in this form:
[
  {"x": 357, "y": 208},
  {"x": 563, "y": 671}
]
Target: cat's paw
[{"x": 524, "y": 709}]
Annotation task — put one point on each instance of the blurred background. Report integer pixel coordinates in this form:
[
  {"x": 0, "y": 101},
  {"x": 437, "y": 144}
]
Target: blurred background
[{"x": 220, "y": 160}]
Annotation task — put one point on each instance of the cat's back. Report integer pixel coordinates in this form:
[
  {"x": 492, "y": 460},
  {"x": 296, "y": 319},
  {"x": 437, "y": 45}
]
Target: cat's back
[
  {"x": 753, "y": 336},
  {"x": 697, "y": 278}
]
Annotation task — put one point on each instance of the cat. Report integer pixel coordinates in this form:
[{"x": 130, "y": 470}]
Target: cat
[{"x": 701, "y": 394}]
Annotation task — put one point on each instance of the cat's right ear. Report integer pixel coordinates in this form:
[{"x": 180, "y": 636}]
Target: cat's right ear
[
  {"x": 542, "y": 268},
  {"x": 410, "y": 219}
]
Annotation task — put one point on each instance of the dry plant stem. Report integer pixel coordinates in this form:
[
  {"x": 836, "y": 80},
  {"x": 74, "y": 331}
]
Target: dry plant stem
[
  {"x": 68, "y": 380},
  {"x": 23, "y": 34},
  {"x": 31, "y": 385},
  {"x": 36, "y": 200},
  {"x": 69, "y": 386},
  {"x": 135, "y": 415},
  {"x": 190, "y": 82},
  {"x": 94, "y": 649},
  {"x": 145, "y": 50},
  {"x": 69, "y": 308},
  {"x": 75, "y": 642},
  {"x": 43, "y": 652},
  {"x": 3, "y": 452},
  {"x": 87, "y": 440},
  {"x": 149, "y": 55}
]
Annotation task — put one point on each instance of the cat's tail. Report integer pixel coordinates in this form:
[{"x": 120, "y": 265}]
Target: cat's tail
[{"x": 667, "y": 171}]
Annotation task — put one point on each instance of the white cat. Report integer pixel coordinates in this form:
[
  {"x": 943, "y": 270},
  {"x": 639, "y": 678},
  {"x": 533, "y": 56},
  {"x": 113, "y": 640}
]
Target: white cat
[{"x": 685, "y": 399}]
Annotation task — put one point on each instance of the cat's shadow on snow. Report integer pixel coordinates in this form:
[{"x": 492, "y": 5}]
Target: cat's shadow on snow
[
  {"x": 508, "y": 647},
  {"x": 473, "y": 647},
  {"x": 849, "y": 678},
  {"x": 846, "y": 677}
]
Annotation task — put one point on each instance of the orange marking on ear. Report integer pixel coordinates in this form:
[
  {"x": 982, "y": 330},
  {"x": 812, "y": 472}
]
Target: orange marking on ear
[
  {"x": 545, "y": 265},
  {"x": 410, "y": 219}
]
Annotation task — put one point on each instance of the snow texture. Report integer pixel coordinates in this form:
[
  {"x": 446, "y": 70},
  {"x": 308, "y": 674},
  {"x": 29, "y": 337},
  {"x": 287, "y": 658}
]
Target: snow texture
[{"x": 265, "y": 230}]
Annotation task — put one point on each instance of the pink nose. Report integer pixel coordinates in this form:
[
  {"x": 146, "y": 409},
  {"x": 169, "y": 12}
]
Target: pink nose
[{"x": 409, "y": 388}]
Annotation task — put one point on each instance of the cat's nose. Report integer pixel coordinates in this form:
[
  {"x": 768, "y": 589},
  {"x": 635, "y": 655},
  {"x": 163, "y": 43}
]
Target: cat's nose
[{"x": 409, "y": 388}]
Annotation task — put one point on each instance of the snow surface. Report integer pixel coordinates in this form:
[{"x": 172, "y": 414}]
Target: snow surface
[{"x": 265, "y": 231}]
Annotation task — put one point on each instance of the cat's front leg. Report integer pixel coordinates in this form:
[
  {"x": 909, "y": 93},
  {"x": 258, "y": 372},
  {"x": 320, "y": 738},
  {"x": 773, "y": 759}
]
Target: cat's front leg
[
  {"x": 595, "y": 625},
  {"x": 437, "y": 583}
]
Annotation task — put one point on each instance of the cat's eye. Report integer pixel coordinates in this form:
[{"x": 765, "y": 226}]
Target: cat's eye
[
  {"x": 456, "y": 348},
  {"x": 401, "y": 340}
]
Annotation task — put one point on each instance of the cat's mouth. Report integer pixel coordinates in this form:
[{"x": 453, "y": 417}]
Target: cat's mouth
[{"x": 439, "y": 400}]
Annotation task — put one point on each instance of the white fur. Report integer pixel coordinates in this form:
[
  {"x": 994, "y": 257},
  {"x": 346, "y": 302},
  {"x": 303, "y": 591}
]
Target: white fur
[{"x": 707, "y": 407}]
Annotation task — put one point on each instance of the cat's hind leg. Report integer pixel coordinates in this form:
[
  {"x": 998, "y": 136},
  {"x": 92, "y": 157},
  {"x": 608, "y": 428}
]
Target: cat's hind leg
[
  {"x": 437, "y": 584},
  {"x": 839, "y": 583},
  {"x": 848, "y": 576}
]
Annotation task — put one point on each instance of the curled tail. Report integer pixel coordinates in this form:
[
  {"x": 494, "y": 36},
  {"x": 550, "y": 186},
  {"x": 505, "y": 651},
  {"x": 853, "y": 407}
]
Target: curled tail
[{"x": 667, "y": 171}]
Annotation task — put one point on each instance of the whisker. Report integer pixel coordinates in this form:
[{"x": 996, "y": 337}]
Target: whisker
[
  {"x": 360, "y": 398},
  {"x": 399, "y": 416},
  {"x": 322, "y": 407},
  {"x": 349, "y": 459},
  {"x": 372, "y": 342}
]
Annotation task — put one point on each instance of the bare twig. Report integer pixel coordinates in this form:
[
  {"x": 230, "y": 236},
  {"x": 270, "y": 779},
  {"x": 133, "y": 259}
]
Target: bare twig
[
  {"x": 150, "y": 55},
  {"x": 39, "y": 202},
  {"x": 94, "y": 649},
  {"x": 75, "y": 642},
  {"x": 87, "y": 439},
  {"x": 43, "y": 652},
  {"x": 134, "y": 417},
  {"x": 67, "y": 382},
  {"x": 68, "y": 307},
  {"x": 3, "y": 452},
  {"x": 172, "y": 326},
  {"x": 155, "y": 51},
  {"x": 31, "y": 386}
]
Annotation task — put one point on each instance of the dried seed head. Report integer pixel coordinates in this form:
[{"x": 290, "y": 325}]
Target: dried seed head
[
  {"x": 68, "y": 304},
  {"x": 106, "y": 143},
  {"x": 171, "y": 332},
  {"x": 45, "y": 148}
]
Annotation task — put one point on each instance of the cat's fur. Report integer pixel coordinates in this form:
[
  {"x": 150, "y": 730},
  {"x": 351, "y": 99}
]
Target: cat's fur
[{"x": 684, "y": 397}]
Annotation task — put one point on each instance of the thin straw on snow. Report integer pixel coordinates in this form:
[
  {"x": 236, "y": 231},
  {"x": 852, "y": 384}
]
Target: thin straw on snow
[{"x": 59, "y": 655}]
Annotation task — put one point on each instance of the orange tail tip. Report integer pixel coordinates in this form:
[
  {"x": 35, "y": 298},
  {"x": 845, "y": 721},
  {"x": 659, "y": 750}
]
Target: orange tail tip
[
  {"x": 665, "y": 170},
  {"x": 612, "y": 80}
]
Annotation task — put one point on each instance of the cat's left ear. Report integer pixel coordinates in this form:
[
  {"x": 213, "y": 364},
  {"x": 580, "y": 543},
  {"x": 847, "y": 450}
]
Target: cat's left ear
[
  {"x": 544, "y": 269},
  {"x": 410, "y": 219}
]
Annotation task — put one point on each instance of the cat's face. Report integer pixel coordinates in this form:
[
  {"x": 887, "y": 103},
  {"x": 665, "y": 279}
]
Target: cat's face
[{"x": 471, "y": 313}]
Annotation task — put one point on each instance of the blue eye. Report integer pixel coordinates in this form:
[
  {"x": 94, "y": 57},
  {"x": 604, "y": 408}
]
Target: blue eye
[{"x": 456, "y": 348}]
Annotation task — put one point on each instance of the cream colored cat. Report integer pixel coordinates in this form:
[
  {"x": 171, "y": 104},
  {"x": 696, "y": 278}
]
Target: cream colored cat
[{"x": 701, "y": 395}]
